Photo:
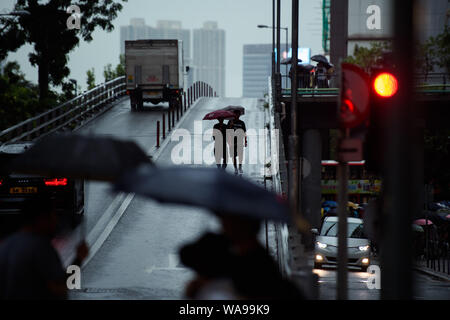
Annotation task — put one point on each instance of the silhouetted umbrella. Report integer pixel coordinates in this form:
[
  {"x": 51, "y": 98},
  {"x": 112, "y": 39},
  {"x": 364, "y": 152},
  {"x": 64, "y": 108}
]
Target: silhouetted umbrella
[
  {"x": 320, "y": 58},
  {"x": 205, "y": 187},
  {"x": 83, "y": 157},
  {"x": 235, "y": 108},
  {"x": 225, "y": 114},
  {"x": 289, "y": 61}
]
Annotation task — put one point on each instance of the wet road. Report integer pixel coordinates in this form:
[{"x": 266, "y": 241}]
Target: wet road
[
  {"x": 135, "y": 241},
  {"x": 426, "y": 287}
]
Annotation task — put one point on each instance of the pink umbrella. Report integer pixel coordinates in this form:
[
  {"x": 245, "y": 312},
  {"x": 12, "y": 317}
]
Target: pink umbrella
[
  {"x": 219, "y": 114},
  {"x": 422, "y": 222},
  {"x": 447, "y": 216}
]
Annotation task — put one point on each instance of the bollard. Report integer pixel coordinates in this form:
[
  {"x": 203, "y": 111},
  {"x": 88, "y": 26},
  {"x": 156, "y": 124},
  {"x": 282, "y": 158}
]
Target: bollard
[
  {"x": 168, "y": 119},
  {"x": 184, "y": 100},
  {"x": 157, "y": 134},
  {"x": 173, "y": 118},
  {"x": 178, "y": 112},
  {"x": 164, "y": 126}
]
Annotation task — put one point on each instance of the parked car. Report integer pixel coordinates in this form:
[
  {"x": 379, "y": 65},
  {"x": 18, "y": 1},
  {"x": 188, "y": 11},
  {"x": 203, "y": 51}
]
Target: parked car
[
  {"x": 326, "y": 245},
  {"x": 66, "y": 194}
]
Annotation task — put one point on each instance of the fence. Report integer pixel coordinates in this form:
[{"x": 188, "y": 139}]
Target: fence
[
  {"x": 66, "y": 115},
  {"x": 72, "y": 113}
]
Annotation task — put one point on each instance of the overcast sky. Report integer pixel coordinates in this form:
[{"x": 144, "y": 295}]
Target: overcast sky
[{"x": 238, "y": 18}]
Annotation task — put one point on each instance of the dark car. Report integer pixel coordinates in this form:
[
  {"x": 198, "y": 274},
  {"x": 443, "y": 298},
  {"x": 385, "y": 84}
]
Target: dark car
[{"x": 66, "y": 194}]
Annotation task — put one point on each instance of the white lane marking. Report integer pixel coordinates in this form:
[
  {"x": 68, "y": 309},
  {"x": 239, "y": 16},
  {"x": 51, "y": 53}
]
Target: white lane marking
[
  {"x": 109, "y": 227},
  {"x": 103, "y": 219}
]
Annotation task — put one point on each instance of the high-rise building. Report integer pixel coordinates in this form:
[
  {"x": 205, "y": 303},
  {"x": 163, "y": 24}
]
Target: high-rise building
[
  {"x": 209, "y": 56},
  {"x": 257, "y": 68}
]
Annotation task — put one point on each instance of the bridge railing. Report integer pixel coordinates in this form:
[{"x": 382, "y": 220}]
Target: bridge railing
[
  {"x": 68, "y": 114},
  {"x": 431, "y": 83}
]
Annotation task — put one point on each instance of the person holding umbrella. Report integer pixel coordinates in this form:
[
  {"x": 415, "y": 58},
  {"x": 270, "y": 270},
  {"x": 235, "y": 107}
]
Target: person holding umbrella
[
  {"x": 220, "y": 143},
  {"x": 30, "y": 267},
  {"x": 237, "y": 138}
]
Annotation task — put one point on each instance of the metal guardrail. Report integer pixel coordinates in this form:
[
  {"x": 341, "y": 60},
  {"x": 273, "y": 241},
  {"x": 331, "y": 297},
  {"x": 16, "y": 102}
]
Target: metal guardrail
[
  {"x": 433, "y": 83},
  {"x": 69, "y": 113}
]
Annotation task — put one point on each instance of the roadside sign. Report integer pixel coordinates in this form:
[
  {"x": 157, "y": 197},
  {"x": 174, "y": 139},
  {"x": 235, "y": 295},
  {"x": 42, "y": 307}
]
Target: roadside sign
[
  {"x": 354, "y": 96},
  {"x": 350, "y": 149}
]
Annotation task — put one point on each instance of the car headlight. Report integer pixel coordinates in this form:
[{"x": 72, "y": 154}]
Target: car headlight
[
  {"x": 363, "y": 248},
  {"x": 321, "y": 245}
]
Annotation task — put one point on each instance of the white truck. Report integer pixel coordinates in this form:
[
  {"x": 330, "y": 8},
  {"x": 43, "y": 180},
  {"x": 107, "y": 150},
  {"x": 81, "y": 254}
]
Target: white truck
[{"x": 154, "y": 72}]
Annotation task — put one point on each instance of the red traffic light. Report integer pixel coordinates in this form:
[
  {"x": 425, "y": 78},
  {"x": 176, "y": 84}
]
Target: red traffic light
[{"x": 385, "y": 85}]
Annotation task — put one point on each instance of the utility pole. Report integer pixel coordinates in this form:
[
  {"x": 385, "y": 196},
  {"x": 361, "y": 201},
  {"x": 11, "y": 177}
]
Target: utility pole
[
  {"x": 273, "y": 41},
  {"x": 294, "y": 145}
]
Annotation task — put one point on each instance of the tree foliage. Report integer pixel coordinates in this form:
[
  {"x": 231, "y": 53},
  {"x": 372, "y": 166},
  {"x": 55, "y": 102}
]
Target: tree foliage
[
  {"x": 368, "y": 57},
  {"x": 46, "y": 29},
  {"x": 18, "y": 96},
  {"x": 119, "y": 71},
  {"x": 90, "y": 79}
]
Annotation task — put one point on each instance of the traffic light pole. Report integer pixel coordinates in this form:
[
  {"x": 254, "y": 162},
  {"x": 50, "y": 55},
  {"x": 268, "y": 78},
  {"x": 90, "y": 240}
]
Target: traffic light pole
[
  {"x": 294, "y": 145},
  {"x": 402, "y": 172},
  {"x": 342, "y": 225}
]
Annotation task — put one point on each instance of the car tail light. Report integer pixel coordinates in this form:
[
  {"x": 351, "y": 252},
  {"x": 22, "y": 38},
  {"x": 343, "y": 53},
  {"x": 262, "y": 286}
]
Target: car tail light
[
  {"x": 56, "y": 182},
  {"x": 1, "y": 182}
]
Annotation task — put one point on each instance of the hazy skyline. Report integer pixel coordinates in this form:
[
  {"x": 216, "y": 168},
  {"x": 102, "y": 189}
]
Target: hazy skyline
[{"x": 239, "y": 19}]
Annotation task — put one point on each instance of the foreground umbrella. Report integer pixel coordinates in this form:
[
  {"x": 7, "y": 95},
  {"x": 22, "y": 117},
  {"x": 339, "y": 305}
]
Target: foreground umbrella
[
  {"x": 205, "y": 187},
  {"x": 422, "y": 222},
  {"x": 82, "y": 157},
  {"x": 235, "y": 108},
  {"x": 225, "y": 114}
]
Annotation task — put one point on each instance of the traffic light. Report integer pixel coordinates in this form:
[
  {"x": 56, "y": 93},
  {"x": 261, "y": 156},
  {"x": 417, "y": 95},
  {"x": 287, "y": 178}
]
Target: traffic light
[{"x": 384, "y": 86}]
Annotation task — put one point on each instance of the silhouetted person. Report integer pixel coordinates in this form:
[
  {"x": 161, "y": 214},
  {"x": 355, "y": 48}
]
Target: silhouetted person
[
  {"x": 322, "y": 75},
  {"x": 236, "y": 258},
  {"x": 30, "y": 267},
  {"x": 220, "y": 143},
  {"x": 237, "y": 138}
]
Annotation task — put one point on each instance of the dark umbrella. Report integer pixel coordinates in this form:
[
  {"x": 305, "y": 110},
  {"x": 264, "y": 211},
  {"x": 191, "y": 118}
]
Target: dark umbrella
[
  {"x": 225, "y": 114},
  {"x": 80, "y": 157},
  {"x": 235, "y": 108},
  {"x": 320, "y": 58},
  {"x": 205, "y": 187},
  {"x": 289, "y": 61}
]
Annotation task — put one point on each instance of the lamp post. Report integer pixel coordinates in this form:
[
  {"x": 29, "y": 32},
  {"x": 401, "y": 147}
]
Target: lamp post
[{"x": 286, "y": 44}]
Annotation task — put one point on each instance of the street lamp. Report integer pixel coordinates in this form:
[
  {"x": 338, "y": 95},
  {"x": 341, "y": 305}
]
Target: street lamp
[{"x": 262, "y": 26}]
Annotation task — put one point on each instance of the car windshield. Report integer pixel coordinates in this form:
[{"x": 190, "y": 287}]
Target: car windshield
[{"x": 354, "y": 230}]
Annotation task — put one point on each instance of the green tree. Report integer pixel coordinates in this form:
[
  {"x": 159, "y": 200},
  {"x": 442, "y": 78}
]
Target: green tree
[
  {"x": 90, "y": 79},
  {"x": 109, "y": 73},
  {"x": 46, "y": 29},
  {"x": 439, "y": 47},
  {"x": 120, "y": 68},
  {"x": 18, "y": 97},
  {"x": 368, "y": 57}
]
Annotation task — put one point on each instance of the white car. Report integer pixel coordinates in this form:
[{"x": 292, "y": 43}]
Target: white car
[{"x": 326, "y": 246}]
